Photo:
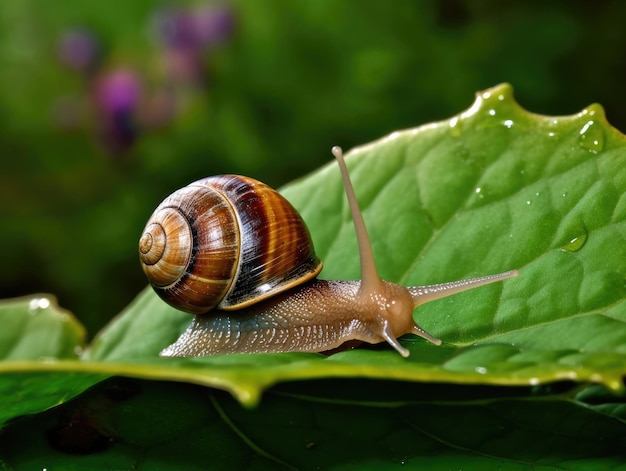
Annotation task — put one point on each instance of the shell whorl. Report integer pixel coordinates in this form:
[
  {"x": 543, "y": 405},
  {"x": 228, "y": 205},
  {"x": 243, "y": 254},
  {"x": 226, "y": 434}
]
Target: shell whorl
[{"x": 225, "y": 242}]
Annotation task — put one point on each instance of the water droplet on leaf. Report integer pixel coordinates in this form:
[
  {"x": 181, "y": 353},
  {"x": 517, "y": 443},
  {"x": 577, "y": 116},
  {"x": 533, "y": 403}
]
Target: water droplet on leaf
[
  {"x": 592, "y": 137},
  {"x": 37, "y": 304},
  {"x": 575, "y": 244},
  {"x": 455, "y": 126}
]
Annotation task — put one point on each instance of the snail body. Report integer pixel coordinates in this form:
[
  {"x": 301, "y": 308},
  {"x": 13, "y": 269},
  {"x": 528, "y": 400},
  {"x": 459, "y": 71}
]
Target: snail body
[{"x": 235, "y": 253}]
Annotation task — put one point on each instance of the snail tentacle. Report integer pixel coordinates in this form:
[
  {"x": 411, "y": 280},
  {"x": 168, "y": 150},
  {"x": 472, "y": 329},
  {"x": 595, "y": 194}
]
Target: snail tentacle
[{"x": 424, "y": 294}]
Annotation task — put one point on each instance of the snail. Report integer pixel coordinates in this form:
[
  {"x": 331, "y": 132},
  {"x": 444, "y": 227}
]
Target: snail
[{"x": 234, "y": 252}]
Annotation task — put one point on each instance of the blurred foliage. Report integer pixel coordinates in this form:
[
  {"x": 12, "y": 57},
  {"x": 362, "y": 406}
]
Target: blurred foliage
[{"x": 106, "y": 107}]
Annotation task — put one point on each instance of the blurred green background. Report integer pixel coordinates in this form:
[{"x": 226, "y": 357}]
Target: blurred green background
[{"x": 106, "y": 107}]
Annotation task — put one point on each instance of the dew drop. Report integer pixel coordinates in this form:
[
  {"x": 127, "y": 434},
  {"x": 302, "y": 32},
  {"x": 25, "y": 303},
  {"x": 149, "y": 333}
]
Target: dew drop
[
  {"x": 508, "y": 123},
  {"x": 37, "y": 304},
  {"x": 492, "y": 112},
  {"x": 455, "y": 126},
  {"x": 481, "y": 370},
  {"x": 575, "y": 244},
  {"x": 592, "y": 137}
]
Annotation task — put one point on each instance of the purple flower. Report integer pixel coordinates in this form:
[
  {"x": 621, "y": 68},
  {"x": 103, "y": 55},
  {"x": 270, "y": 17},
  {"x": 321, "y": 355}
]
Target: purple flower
[
  {"x": 187, "y": 35},
  {"x": 174, "y": 28},
  {"x": 118, "y": 91},
  {"x": 212, "y": 25},
  {"x": 195, "y": 29},
  {"x": 117, "y": 100},
  {"x": 79, "y": 50}
]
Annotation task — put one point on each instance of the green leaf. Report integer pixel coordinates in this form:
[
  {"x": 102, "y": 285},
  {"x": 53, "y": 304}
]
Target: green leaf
[
  {"x": 36, "y": 327},
  {"x": 37, "y": 332},
  {"x": 491, "y": 189},
  {"x": 147, "y": 425}
]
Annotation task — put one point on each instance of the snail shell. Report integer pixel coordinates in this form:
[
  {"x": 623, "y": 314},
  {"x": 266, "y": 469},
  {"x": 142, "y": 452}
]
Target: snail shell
[{"x": 225, "y": 242}]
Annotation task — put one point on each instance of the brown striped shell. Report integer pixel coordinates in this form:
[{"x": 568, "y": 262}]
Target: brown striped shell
[{"x": 225, "y": 242}]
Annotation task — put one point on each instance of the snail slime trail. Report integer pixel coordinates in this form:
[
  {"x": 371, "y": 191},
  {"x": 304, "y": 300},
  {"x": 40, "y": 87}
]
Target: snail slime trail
[{"x": 237, "y": 255}]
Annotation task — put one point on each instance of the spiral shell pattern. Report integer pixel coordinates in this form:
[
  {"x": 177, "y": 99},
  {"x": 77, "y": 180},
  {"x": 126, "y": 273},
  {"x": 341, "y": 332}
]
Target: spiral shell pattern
[{"x": 225, "y": 242}]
